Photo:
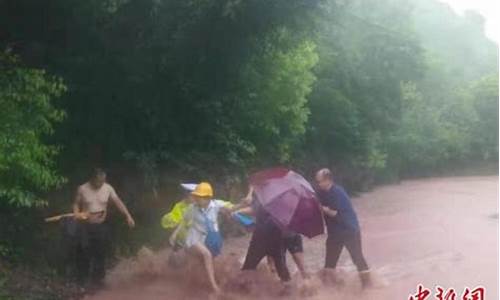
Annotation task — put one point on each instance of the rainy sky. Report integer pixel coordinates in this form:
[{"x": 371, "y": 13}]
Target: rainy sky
[{"x": 490, "y": 9}]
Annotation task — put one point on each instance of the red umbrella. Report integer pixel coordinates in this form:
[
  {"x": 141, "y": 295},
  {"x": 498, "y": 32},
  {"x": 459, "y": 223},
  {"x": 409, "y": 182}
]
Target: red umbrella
[{"x": 289, "y": 199}]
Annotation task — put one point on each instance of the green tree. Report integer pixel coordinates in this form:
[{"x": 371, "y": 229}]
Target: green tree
[
  {"x": 26, "y": 118},
  {"x": 356, "y": 103},
  {"x": 272, "y": 105},
  {"x": 485, "y": 130}
]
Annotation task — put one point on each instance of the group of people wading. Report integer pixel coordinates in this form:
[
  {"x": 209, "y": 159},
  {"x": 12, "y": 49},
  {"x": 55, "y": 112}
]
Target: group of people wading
[{"x": 194, "y": 222}]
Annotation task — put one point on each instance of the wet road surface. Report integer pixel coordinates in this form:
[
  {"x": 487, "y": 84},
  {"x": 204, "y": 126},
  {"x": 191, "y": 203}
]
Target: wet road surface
[{"x": 438, "y": 231}]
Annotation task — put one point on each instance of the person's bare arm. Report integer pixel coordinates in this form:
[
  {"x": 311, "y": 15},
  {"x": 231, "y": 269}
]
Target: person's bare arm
[
  {"x": 227, "y": 208},
  {"x": 329, "y": 212},
  {"x": 173, "y": 236},
  {"x": 248, "y": 198},
  {"x": 123, "y": 209},
  {"x": 244, "y": 202},
  {"x": 246, "y": 211},
  {"x": 78, "y": 214}
]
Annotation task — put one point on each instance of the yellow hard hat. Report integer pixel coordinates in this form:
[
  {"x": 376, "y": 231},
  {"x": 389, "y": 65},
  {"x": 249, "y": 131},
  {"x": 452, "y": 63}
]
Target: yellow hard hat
[{"x": 204, "y": 189}]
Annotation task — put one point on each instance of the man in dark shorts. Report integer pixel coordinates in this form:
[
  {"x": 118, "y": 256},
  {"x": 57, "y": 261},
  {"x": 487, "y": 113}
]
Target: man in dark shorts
[
  {"x": 294, "y": 245},
  {"x": 342, "y": 226},
  {"x": 267, "y": 240},
  {"x": 291, "y": 241}
]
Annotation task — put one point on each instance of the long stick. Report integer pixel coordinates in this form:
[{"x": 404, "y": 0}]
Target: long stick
[{"x": 58, "y": 217}]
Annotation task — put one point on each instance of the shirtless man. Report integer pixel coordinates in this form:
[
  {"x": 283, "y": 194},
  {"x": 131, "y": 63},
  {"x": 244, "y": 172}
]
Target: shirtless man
[{"x": 90, "y": 206}]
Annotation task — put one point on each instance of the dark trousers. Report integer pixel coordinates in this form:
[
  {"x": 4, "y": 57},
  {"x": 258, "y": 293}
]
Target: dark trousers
[
  {"x": 91, "y": 252},
  {"x": 68, "y": 246},
  {"x": 352, "y": 241},
  {"x": 267, "y": 241}
]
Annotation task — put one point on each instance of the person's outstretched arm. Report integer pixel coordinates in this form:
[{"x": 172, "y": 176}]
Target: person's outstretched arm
[
  {"x": 173, "y": 236},
  {"x": 122, "y": 208},
  {"x": 329, "y": 212},
  {"x": 245, "y": 210},
  {"x": 244, "y": 202}
]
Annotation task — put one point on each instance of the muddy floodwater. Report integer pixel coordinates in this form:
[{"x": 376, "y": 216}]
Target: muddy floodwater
[{"x": 439, "y": 231}]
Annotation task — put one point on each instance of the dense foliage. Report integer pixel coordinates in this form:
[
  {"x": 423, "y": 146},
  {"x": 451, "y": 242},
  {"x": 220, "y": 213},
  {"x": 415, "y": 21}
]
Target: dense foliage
[
  {"x": 396, "y": 88},
  {"x": 26, "y": 115}
]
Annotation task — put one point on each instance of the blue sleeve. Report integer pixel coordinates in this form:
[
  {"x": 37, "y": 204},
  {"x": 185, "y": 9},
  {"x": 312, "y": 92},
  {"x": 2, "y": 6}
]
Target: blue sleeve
[
  {"x": 346, "y": 211},
  {"x": 343, "y": 201},
  {"x": 327, "y": 199}
]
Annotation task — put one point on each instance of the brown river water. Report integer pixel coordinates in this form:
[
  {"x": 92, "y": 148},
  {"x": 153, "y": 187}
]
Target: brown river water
[{"x": 439, "y": 231}]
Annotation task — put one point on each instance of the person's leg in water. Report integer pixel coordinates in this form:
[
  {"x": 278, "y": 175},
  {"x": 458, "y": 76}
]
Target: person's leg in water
[
  {"x": 69, "y": 243},
  {"x": 270, "y": 264},
  {"x": 278, "y": 256},
  {"x": 255, "y": 253},
  {"x": 82, "y": 264},
  {"x": 277, "y": 251},
  {"x": 82, "y": 255},
  {"x": 267, "y": 241},
  {"x": 256, "y": 250},
  {"x": 298, "y": 258},
  {"x": 104, "y": 247},
  {"x": 353, "y": 245},
  {"x": 208, "y": 261},
  {"x": 294, "y": 245},
  {"x": 334, "y": 246},
  {"x": 97, "y": 248}
]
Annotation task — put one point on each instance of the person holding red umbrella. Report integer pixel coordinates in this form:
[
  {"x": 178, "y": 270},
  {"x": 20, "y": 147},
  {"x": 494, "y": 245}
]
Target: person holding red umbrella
[
  {"x": 283, "y": 202},
  {"x": 267, "y": 240},
  {"x": 292, "y": 241},
  {"x": 342, "y": 226}
]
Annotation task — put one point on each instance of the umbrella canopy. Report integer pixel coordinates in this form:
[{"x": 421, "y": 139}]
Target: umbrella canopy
[
  {"x": 289, "y": 199},
  {"x": 189, "y": 187}
]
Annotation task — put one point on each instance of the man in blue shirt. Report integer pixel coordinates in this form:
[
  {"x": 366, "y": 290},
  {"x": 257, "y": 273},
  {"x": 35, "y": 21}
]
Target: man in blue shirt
[{"x": 342, "y": 225}]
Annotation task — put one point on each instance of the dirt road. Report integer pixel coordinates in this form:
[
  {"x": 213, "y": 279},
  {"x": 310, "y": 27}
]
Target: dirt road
[{"x": 440, "y": 231}]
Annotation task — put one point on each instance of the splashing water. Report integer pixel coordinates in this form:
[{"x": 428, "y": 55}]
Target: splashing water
[
  {"x": 421, "y": 231},
  {"x": 153, "y": 275}
]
